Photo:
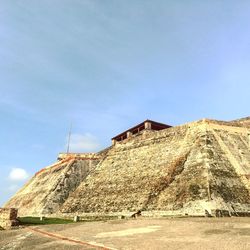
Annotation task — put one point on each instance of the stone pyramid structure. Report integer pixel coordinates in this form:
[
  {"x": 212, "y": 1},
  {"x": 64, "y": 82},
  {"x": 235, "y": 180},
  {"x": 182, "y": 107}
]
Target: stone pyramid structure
[{"x": 199, "y": 168}]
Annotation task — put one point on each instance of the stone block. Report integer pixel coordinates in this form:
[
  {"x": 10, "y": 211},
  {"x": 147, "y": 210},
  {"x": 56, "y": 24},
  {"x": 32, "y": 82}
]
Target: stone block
[
  {"x": 76, "y": 218},
  {"x": 8, "y": 218}
]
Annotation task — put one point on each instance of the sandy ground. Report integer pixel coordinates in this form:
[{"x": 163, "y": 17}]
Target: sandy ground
[{"x": 142, "y": 233}]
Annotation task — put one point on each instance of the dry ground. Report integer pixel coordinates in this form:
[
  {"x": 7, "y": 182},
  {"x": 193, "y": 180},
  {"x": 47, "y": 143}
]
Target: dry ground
[{"x": 143, "y": 233}]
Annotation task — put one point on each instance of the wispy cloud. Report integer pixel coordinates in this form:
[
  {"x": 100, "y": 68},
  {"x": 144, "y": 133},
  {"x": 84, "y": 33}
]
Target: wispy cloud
[
  {"x": 84, "y": 143},
  {"x": 12, "y": 181},
  {"x": 18, "y": 174}
]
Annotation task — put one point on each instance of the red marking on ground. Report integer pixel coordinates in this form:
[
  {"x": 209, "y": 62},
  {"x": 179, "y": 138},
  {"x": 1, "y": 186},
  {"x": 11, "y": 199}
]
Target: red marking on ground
[{"x": 56, "y": 236}]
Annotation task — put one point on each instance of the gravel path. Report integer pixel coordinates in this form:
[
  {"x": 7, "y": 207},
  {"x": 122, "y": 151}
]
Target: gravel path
[{"x": 143, "y": 233}]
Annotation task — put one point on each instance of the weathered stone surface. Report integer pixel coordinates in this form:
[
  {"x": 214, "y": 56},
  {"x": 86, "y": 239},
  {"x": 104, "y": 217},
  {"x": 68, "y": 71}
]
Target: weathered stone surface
[
  {"x": 186, "y": 169},
  {"x": 193, "y": 169},
  {"x": 8, "y": 218},
  {"x": 50, "y": 187}
]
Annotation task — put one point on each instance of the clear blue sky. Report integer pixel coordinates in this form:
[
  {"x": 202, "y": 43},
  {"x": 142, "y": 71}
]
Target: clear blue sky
[{"x": 106, "y": 65}]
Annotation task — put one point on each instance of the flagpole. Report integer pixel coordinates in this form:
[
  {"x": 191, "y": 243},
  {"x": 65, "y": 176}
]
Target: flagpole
[{"x": 69, "y": 137}]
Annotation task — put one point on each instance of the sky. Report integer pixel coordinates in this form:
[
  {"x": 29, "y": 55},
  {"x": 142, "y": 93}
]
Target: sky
[{"x": 105, "y": 66}]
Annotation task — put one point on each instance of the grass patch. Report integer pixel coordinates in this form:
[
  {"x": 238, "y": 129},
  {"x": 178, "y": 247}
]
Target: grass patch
[
  {"x": 36, "y": 221},
  {"x": 46, "y": 221}
]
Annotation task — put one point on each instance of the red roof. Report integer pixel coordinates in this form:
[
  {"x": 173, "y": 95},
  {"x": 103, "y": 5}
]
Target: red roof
[{"x": 155, "y": 125}]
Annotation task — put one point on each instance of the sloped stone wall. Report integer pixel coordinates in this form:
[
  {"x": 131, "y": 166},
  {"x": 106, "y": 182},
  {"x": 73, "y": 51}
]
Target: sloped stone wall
[
  {"x": 193, "y": 169},
  {"x": 49, "y": 188},
  {"x": 137, "y": 172},
  {"x": 184, "y": 168}
]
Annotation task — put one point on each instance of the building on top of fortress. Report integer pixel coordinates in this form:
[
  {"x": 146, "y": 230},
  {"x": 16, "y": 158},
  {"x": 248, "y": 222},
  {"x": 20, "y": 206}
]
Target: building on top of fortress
[{"x": 146, "y": 125}]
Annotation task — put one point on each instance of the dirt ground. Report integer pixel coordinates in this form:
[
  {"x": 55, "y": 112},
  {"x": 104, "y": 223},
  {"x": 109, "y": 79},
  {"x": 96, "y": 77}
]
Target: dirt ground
[{"x": 142, "y": 233}]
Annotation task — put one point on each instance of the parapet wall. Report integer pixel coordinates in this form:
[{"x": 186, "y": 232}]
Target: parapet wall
[
  {"x": 8, "y": 218},
  {"x": 80, "y": 156}
]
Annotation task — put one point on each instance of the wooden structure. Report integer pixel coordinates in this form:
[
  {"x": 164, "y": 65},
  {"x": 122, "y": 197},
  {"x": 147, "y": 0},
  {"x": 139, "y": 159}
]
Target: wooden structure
[{"x": 146, "y": 125}]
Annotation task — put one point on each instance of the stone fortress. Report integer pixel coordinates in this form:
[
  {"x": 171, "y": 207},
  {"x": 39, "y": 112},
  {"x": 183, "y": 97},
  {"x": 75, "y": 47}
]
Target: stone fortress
[{"x": 201, "y": 168}]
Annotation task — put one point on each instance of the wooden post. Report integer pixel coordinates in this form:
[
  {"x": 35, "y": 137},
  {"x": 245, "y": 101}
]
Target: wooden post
[
  {"x": 76, "y": 218},
  {"x": 129, "y": 134},
  {"x": 147, "y": 125}
]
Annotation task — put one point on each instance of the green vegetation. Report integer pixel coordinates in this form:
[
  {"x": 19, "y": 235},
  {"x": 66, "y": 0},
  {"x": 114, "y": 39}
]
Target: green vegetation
[{"x": 36, "y": 221}]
